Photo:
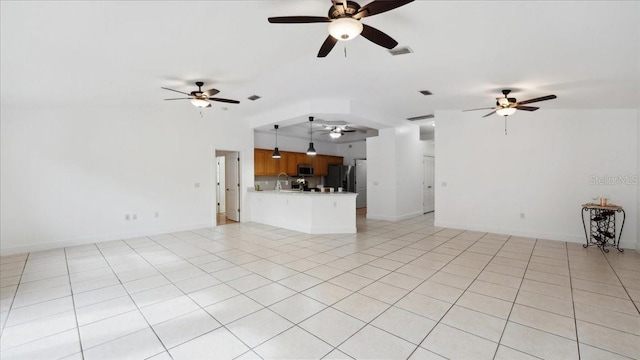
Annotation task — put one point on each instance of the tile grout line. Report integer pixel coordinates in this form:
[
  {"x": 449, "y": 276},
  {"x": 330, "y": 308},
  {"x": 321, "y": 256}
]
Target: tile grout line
[
  {"x": 186, "y": 294},
  {"x": 391, "y": 305},
  {"x": 13, "y": 299},
  {"x": 514, "y": 300},
  {"x": 73, "y": 302},
  {"x": 573, "y": 303},
  {"x": 622, "y": 284}
]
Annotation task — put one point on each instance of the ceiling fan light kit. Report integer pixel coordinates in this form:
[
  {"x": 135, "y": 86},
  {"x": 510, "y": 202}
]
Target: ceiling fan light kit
[
  {"x": 335, "y": 135},
  {"x": 506, "y": 111},
  {"x": 345, "y": 28},
  {"x": 199, "y": 103}
]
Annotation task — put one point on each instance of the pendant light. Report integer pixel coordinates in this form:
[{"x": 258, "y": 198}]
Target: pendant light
[
  {"x": 276, "y": 152},
  {"x": 311, "y": 151}
]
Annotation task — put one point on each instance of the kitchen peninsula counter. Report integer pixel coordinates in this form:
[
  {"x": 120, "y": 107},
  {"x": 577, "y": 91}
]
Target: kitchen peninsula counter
[{"x": 307, "y": 212}]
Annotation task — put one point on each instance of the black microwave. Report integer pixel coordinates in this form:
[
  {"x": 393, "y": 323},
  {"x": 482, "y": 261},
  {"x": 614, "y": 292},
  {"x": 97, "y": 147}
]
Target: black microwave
[{"x": 305, "y": 170}]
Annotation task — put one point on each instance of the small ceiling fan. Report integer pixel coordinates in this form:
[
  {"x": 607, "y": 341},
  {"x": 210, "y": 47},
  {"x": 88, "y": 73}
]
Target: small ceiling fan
[
  {"x": 344, "y": 22},
  {"x": 201, "y": 98},
  {"x": 337, "y": 131},
  {"x": 506, "y": 105}
]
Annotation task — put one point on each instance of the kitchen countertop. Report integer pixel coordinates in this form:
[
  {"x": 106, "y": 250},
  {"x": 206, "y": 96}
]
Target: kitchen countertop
[{"x": 296, "y": 192}]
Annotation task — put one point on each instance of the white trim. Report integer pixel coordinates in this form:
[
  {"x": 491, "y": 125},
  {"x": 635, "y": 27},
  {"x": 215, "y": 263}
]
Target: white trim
[
  {"x": 99, "y": 238},
  {"x": 394, "y": 218},
  {"x": 625, "y": 243}
]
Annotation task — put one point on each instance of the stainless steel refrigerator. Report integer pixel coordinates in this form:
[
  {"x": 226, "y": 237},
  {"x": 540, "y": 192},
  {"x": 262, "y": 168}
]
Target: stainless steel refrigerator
[{"x": 341, "y": 176}]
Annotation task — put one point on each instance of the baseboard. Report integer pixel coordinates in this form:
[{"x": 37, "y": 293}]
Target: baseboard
[
  {"x": 626, "y": 244},
  {"x": 394, "y": 218},
  {"x": 97, "y": 239}
]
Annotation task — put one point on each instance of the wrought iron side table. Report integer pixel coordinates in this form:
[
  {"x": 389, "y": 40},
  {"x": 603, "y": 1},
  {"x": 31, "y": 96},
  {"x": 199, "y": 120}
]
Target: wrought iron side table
[{"x": 602, "y": 225}]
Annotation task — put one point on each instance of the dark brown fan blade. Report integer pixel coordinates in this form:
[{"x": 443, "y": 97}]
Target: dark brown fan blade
[
  {"x": 347, "y": 131},
  {"x": 178, "y": 99},
  {"x": 298, "y": 19},
  {"x": 379, "y": 6},
  {"x": 491, "y": 113},
  {"x": 225, "y": 100},
  {"x": 327, "y": 45},
  {"x": 175, "y": 90},
  {"x": 378, "y": 37},
  {"x": 548, "y": 97},
  {"x": 210, "y": 92},
  {"x": 527, "y": 108},
  {"x": 478, "y": 109}
]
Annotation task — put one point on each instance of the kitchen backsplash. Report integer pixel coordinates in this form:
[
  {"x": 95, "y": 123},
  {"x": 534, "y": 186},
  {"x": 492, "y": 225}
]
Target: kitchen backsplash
[{"x": 269, "y": 182}]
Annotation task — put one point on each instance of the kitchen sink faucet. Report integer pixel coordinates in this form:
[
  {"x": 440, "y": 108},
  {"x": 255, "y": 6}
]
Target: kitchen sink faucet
[{"x": 278, "y": 184}]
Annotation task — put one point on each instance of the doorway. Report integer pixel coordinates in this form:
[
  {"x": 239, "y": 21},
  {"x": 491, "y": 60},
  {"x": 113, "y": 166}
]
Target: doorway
[
  {"x": 227, "y": 187},
  {"x": 428, "y": 180},
  {"x": 361, "y": 183}
]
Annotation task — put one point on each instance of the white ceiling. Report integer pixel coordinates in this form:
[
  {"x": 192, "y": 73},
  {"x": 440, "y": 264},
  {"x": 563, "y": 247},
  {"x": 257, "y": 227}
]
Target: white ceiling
[{"x": 98, "y": 54}]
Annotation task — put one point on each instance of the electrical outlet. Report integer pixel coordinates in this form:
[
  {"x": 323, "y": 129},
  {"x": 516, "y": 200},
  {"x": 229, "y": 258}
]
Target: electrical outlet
[
  {"x": 157, "y": 214},
  {"x": 197, "y": 185},
  {"x": 286, "y": 182},
  {"x": 134, "y": 217},
  {"x": 521, "y": 215},
  {"x": 127, "y": 217}
]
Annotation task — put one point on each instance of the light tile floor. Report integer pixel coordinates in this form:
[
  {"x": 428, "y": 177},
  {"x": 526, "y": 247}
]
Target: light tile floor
[{"x": 405, "y": 290}]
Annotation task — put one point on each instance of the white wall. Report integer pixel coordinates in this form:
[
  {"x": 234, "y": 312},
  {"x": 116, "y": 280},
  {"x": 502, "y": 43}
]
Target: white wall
[
  {"x": 287, "y": 143},
  {"x": 394, "y": 173},
  {"x": 429, "y": 147},
  {"x": 352, "y": 151},
  {"x": 69, "y": 175},
  {"x": 542, "y": 169}
]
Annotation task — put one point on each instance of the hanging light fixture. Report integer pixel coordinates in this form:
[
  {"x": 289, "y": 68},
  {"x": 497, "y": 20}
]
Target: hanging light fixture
[
  {"x": 276, "y": 152},
  {"x": 201, "y": 103},
  {"x": 506, "y": 111},
  {"x": 311, "y": 151},
  {"x": 345, "y": 28}
]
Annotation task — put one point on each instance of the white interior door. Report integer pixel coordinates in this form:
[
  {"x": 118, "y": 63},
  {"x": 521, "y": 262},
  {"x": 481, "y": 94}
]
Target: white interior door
[
  {"x": 232, "y": 189},
  {"x": 361, "y": 183},
  {"x": 220, "y": 185},
  {"x": 428, "y": 192}
]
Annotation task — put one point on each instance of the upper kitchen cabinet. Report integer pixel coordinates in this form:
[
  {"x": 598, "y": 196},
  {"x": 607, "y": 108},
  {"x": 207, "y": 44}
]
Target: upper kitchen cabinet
[{"x": 265, "y": 165}]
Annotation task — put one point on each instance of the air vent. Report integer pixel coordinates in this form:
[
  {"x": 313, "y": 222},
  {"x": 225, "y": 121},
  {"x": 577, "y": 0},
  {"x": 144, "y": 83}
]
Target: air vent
[
  {"x": 426, "y": 92},
  {"x": 422, "y": 117},
  {"x": 253, "y": 97},
  {"x": 400, "y": 50}
]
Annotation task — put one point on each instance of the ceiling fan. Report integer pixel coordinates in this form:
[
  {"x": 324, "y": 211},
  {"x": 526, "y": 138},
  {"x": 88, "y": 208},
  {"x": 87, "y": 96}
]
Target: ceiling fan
[
  {"x": 506, "y": 106},
  {"x": 344, "y": 22},
  {"x": 337, "y": 131},
  {"x": 201, "y": 98}
]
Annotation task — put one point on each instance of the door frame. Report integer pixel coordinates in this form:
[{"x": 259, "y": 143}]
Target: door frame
[
  {"x": 433, "y": 171},
  {"x": 223, "y": 152}
]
